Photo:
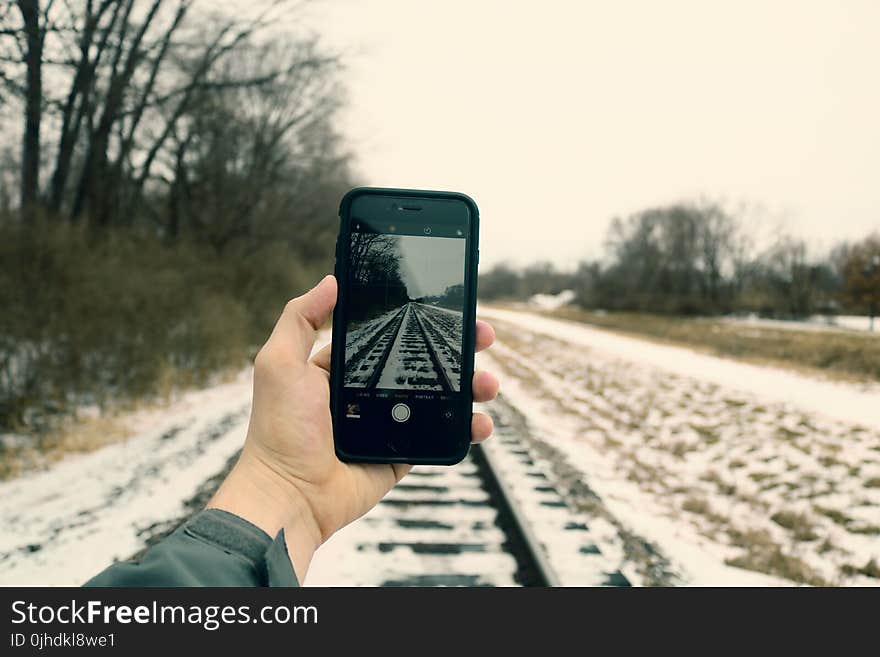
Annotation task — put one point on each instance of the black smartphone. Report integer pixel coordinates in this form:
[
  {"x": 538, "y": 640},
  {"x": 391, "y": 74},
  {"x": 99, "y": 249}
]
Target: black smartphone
[{"x": 404, "y": 325}]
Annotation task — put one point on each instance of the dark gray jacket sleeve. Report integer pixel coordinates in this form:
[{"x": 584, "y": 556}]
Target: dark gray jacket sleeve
[{"x": 213, "y": 548}]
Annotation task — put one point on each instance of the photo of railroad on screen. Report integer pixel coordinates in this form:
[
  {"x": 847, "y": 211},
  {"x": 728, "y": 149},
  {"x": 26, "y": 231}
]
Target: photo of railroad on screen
[{"x": 405, "y": 312}]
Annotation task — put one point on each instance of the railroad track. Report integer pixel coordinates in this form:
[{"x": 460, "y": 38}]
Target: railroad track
[
  {"x": 496, "y": 519},
  {"x": 408, "y": 350},
  {"x": 367, "y": 355}
]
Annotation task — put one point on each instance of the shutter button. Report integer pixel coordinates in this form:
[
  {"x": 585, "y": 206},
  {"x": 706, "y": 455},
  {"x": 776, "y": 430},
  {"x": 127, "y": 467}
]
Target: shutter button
[{"x": 400, "y": 412}]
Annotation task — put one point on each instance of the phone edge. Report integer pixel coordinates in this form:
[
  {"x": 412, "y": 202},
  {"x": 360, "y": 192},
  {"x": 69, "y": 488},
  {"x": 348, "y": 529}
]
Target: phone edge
[{"x": 337, "y": 350}]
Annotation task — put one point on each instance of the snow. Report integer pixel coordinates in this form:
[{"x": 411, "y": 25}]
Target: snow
[
  {"x": 552, "y": 301},
  {"x": 813, "y": 323},
  {"x": 699, "y": 454},
  {"x": 434, "y": 506},
  {"x": 653, "y": 430},
  {"x": 856, "y": 322},
  {"x": 359, "y": 334},
  {"x": 581, "y": 551},
  {"x": 695, "y": 563},
  {"x": 406, "y": 370},
  {"x": 65, "y": 524},
  {"x": 443, "y": 331},
  {"x": 408, "y": 364},
  {"x": 844, "y": 401},
  {"x": 397, "y": 541}
]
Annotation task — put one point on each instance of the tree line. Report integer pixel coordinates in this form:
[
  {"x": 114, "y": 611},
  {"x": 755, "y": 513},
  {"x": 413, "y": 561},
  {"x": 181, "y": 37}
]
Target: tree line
[
  {"x": 696, "y": 258},
  {"x": 169, "y": 176},
  {"x": 129, "y": 110},
  {"x": 377, "y": 284}
]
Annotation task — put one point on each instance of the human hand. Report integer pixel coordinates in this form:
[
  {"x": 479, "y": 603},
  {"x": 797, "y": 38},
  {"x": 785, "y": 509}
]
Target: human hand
[{"x": 288, "y": 475}]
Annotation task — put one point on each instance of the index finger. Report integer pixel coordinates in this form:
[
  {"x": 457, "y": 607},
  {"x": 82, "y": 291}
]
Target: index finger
[{"x": 294, "y": 332}]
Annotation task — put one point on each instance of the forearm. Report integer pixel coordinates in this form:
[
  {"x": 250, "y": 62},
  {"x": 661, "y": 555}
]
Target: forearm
[
  {"x": 255, "y": 493},
  {"x": 213, "y": 548}
]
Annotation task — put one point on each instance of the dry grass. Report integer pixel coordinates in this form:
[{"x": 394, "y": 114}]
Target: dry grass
[
  {"x": 841, "y": 354},
  {"x": 72, "y": 436},
  {"x": 80, "y": 433},
  {"x": 750, "y": 538},
  {"x": 724, "y": 487},
  {"x": 763, "y": 555},
  {"x": 870, "y": 569},
  {"x": 100, "y": 321},
  {"x": 701, "y": 506},
  {"x": 697, "y": 505},
  {"x": 771, "y": 560},
  {"x": 836, "y": 516},
  {"x": 799, "y": 525},
  {"x": 748, "y": 449}
]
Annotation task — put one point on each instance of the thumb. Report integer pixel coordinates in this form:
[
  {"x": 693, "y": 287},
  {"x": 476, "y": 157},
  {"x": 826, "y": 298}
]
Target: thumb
[{"x": 303, "y": 316}]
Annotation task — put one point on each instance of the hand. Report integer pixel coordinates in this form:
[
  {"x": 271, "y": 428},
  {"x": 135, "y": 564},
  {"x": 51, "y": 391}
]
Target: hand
[{"x": 288, "y": 474}]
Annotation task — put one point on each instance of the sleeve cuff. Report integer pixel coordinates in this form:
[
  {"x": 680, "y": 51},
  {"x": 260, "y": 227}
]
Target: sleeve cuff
[{"x": 236, "y": 535}]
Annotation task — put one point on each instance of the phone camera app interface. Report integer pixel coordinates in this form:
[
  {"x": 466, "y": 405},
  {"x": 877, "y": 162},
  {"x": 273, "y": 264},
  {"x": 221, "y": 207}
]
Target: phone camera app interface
[{"x": 404, "y": 313}]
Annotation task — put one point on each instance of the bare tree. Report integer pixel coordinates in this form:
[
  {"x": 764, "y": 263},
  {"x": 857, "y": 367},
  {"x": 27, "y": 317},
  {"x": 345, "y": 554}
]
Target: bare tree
[
  {"x": 34, "y": 27},
  {"x": 135, "y": 75},
  {"x": 98, "y": 25},
  {"x": 373, "y": 258},
  {"x": 678, "y": 258},
  {"x": 861, "y": 277}
]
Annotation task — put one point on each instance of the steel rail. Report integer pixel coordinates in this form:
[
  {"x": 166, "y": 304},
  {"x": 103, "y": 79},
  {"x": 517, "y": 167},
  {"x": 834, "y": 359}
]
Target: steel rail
[
  {"x": 533, "y": 547},
  {"x": 373, "y": 381},
  {"x": 445, "y": 383}
]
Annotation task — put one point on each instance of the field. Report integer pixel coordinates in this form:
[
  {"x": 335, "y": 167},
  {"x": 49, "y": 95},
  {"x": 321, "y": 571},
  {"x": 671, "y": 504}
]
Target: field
[
  {"x": 839, "y": 353},
  {"x": 716, "y": 463},
  {"x": 688, "y": 469}
]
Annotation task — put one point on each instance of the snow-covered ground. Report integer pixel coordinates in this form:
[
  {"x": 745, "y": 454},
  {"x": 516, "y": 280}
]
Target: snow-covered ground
[
  {"x": 395, "y": 349},
  {"x": 359, "y": 334},
  {"x": 65, "y": 524},
  {"x": 409, "y": 366},
  {"x": 440, "y": 526},
  {"x": 435, "y": 528},
  {"x": 687, "y": 468},
  {"x": 814, "y": 323},
  {"x": 552, "y": 301},
  {"x": 844, "y": 401},
  {"x": 443, "y": 330},
  {"x": 716, "y": 462}
]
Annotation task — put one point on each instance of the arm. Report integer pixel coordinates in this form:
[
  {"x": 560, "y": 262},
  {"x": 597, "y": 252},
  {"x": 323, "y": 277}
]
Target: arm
[
  {"x": 213, "y": 548},
  {"x": 287, "y": 483}
]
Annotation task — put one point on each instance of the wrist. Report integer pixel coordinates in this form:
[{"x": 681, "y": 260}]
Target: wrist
[{"x": 256, "y": 493}]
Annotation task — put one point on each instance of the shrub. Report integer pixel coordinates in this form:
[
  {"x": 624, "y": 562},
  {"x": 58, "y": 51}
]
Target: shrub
[{"x": 103, "y": 319}]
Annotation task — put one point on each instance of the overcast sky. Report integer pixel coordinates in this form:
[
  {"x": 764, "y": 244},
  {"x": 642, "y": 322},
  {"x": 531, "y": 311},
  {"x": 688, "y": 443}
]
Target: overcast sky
[
  {"x": 430, "y": 264},
  {"x": 555, "y": 116}
]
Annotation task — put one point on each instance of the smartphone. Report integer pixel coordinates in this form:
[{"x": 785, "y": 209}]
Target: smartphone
[{"x": 403, "y": 327}]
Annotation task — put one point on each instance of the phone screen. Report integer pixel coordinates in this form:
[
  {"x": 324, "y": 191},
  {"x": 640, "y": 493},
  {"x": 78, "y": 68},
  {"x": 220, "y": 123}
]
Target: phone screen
[{"x": 404, "y": 302}]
